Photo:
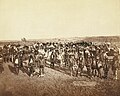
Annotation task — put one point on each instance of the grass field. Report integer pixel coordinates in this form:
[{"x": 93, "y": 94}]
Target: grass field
[{"x": 54, "y": 83}]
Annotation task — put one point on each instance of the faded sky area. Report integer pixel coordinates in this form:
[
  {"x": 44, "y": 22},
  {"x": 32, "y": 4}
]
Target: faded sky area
[{"x": 38, "y": 19}]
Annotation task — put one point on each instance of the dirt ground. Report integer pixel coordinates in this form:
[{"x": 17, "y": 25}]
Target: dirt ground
[{"x": 54, "y": 83}]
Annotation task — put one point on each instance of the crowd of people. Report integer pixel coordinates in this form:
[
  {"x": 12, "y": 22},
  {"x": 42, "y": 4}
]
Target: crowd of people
[{"x": 77, "y": 57}]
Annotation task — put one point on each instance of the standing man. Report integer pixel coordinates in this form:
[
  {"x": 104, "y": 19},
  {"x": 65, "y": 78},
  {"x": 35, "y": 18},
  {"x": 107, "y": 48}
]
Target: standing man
[
  {"x": 42, "y": 65},
  {"x": 53, "y": 59}
]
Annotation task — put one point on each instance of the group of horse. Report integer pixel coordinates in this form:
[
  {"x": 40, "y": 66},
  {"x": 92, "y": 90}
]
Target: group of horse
[{"x": 79, "y": 58}]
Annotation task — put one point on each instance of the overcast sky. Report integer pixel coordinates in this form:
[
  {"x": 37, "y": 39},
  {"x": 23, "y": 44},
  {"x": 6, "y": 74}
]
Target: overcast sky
[{"x": 36, "y": 19}]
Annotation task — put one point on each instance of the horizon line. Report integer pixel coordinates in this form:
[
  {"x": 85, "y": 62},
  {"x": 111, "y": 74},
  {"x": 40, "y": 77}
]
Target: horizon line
[{"x": 60, "y": 38}]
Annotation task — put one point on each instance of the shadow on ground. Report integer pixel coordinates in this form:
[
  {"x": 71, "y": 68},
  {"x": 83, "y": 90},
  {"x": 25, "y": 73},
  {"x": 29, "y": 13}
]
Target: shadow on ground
[
  {"x": 25, "y": 70},
  {"x": 12, "y": 69}
]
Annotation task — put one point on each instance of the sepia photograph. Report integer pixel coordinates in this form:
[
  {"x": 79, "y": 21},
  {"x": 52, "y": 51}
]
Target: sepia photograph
[{"x": 59, "y": 47}]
